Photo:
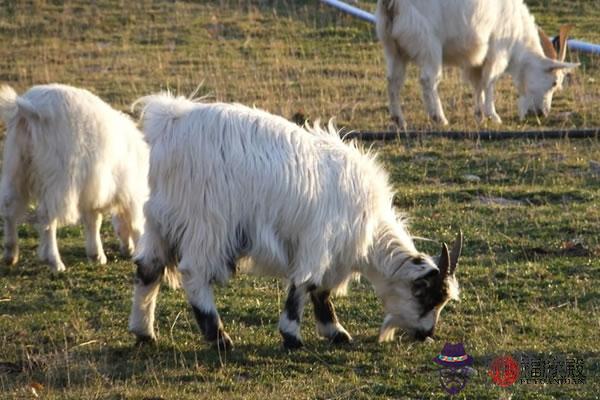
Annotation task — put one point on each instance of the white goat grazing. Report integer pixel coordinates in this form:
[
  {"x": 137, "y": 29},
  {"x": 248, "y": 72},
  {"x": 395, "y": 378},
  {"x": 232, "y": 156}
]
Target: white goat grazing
[
  {"x": 230, "y": 183},
  {"x": 484, "y": 38},
  {"x": 76, "y": 157}
]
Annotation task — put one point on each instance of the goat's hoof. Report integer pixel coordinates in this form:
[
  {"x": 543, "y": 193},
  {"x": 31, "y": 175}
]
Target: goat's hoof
[
  {"x": 126, "y": 251},
  {"x": 291, "y": 342},
  {"x": 11, "y": 258},
  {"x": 341, "y": 337},
  {"x": 495, "y": 118},
  {"x": 223, "y": 342},
  {"x": 478, "y": 116},
  {"x": 57, "y": 267},
  {"x": 439, "y": 120},
  {"x": 141, "y": 340},
  {"x": 98, "y": 258},
  {"x": 399, "y": 122}
]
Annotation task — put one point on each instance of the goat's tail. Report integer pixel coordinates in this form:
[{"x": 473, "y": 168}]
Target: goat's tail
[
  {"x": 158, "y": 111},
  {"x": 388, "y": 10},
  {"x": 11, "y": 105},
  {"x": 8, "y": 103}
]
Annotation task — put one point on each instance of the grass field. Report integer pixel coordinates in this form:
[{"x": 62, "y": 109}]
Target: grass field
[{"x": 530, "y": 273}]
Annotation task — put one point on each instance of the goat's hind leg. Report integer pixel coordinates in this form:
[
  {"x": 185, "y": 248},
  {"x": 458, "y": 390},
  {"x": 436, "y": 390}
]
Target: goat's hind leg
[
  {"x": 328, "y": 325},
  {"x": 14, "y": 200},
  {"x": 13, "y": 208},
  {"x": 92, "y": 220},
  {"x": 396, "y": 74},
  {"x": 11, "y": 241},
  {"x": 473, "y": 76},
  {"x": 48, "y": 248},
  {"x": 122, "y": 227},
  {"x": 200, "y": 296}
]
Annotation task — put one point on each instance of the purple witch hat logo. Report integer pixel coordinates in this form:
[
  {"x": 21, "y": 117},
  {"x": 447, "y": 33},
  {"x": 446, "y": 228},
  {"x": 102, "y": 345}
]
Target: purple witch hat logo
[{"x": 454, "y": 372}]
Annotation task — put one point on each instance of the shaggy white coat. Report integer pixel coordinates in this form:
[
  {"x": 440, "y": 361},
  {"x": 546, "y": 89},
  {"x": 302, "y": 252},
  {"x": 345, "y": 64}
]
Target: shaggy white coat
[
  {"x": 312, "y": 209},
  {"x": 484, "y": 38},
  {"x": 76, "y": 157}
]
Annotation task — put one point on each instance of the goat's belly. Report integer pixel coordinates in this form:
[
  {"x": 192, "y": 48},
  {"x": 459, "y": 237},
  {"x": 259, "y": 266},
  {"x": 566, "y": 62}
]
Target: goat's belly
[{"x": 464, "y": 55}]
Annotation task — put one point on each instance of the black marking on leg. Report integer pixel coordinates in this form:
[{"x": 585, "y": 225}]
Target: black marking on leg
[
  {"x": 311, "y": 287},
  {"x": 341, "y": 337},
  {"x": 208, "y": 322},
  {"x": 292, "y": 304},
  {"x": 148, "y": 274},
  {"x": 212, "y": 328},
  {"x": 323, "y": 307},
  {"x": 290, "y": 341}
]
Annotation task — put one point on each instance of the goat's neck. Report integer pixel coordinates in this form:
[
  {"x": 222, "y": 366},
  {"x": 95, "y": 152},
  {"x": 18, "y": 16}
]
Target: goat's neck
[
  {"x": 523, "y": 52},
  {"x": 391, "y": 248}
]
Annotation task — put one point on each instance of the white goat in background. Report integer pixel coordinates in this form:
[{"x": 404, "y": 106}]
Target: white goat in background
[
  {"x": 229, "y": 183},
  {"x": 76, "y": 157},
  {"x": 484, "y": 38}
]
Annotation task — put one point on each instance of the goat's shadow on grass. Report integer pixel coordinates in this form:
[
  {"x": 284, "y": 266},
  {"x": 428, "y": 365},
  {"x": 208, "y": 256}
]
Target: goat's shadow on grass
[{"x": 142, "y": 361}]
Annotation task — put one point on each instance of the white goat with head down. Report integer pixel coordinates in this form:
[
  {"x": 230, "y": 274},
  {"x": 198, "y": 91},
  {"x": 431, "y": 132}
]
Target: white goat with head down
[
  {"x": 229, "y": 183},
  {"x": 76, "y": 157},
  {"x": 484, "y": 38}
]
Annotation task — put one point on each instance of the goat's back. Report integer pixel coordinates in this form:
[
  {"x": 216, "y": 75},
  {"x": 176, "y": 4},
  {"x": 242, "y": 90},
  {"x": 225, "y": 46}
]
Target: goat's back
[
  {"x": 217, "y": 169},
  {"x": 465, "y": 30}
]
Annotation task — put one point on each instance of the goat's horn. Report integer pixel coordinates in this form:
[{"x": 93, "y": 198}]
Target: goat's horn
[
  {"x": 547, "y": 45},
  {"x": 444, "y": 262},
  {"x": 456, "y": 250},
  {"x": 562, "y": 44}
]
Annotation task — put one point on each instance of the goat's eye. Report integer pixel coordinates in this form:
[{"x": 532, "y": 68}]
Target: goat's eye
[{"x": 555, "y": 84}]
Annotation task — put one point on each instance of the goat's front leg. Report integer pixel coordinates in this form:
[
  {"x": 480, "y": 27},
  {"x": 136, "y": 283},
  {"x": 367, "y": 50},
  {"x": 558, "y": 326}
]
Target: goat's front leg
[
  {"x": 289, "y": 321},
  {"x": 151, "y": 263},
  {"x": 145, "y": 291},
  {"x": 201, "y": 298},
  {"x": 490, "y": 107},
  {"x": 92, "y": 220},
  {"x": 327, "y": 321},
  {"x": 491, "y": 72},
  {"x": 431, "y": 75},
  {"x": 396, "y": 74}
]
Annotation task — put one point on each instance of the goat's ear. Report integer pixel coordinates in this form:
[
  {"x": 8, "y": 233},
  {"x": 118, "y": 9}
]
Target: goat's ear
[
  {"x": 553, "y": 65},
  {"x": 455, "y": 253},
  {"x": 563, "y": 35},
  {"x": 444, "y": 262},
  {"x": 547, "y": 45}
]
